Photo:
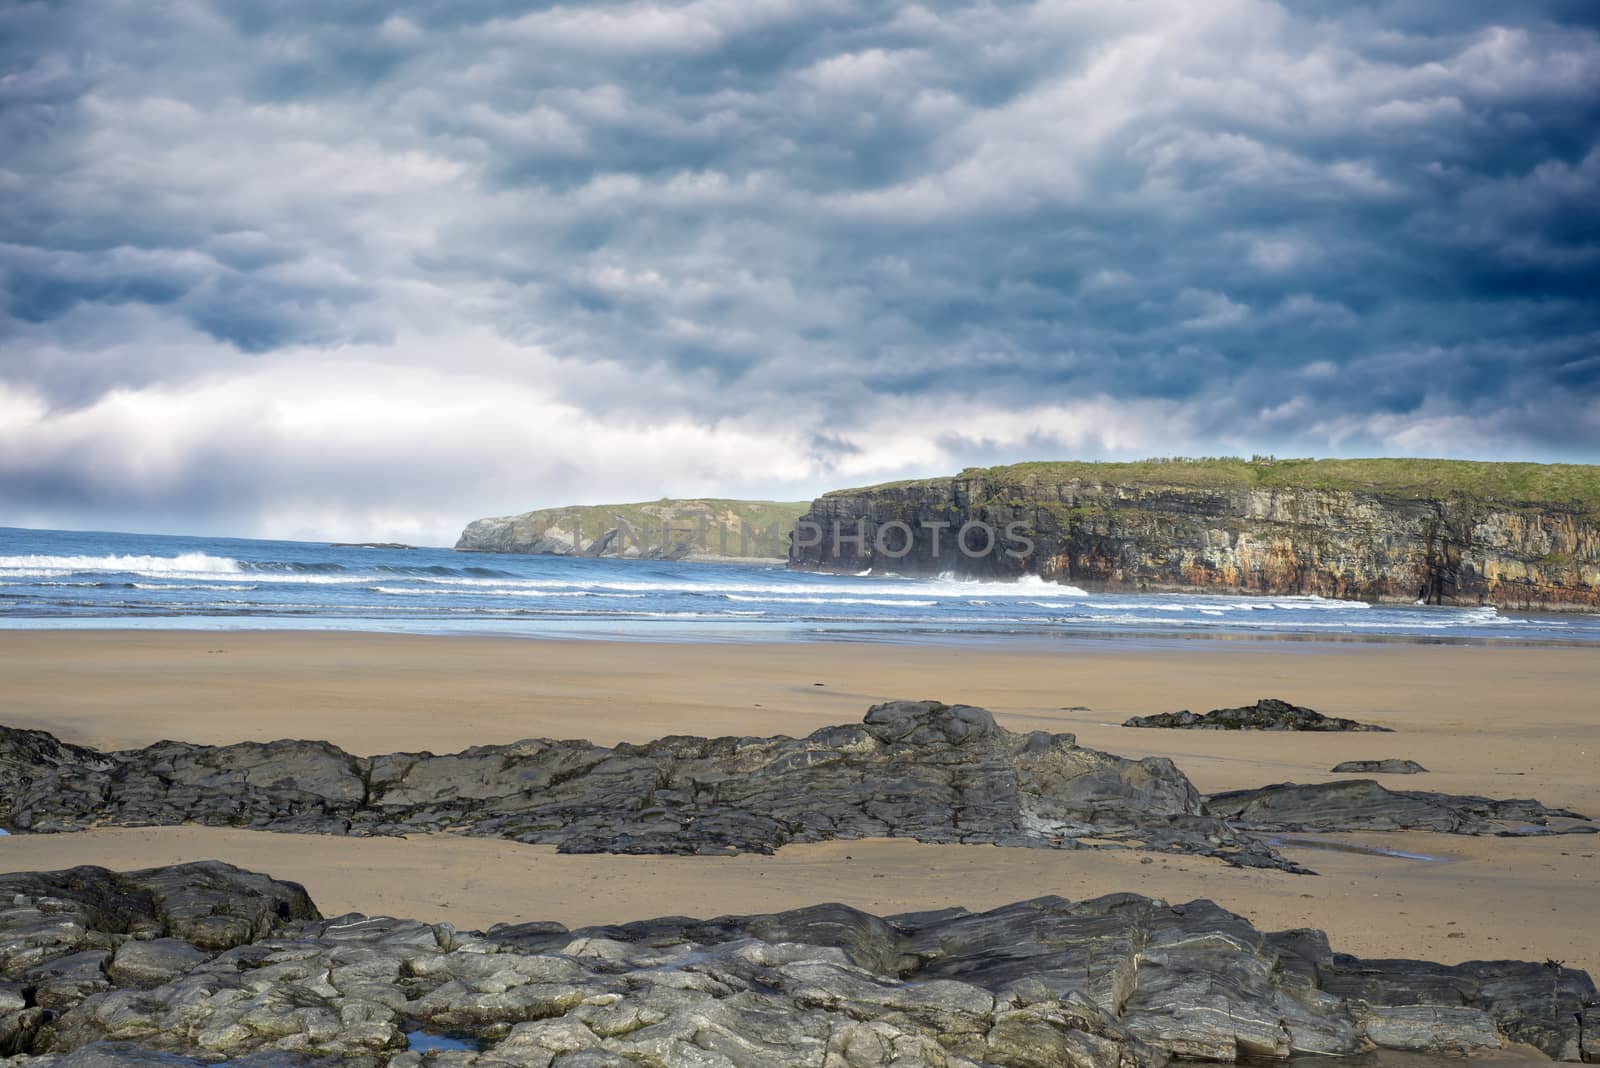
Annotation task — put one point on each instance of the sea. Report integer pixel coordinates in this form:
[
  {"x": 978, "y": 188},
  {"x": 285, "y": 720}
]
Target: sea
[{"x": 92, "y": 579}]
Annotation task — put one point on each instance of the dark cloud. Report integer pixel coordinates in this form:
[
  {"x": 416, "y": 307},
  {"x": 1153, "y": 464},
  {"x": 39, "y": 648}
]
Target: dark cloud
[{"x": 1093, "y": 228}]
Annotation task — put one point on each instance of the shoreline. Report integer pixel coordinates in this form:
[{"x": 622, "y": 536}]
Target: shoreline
[
  {"x": 1098, "y": 587},
  {"x": 767, "y": 633}
]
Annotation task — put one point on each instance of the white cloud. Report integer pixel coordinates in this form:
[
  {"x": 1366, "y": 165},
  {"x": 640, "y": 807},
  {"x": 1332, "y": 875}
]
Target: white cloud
[{"x": 338, "y": 266}]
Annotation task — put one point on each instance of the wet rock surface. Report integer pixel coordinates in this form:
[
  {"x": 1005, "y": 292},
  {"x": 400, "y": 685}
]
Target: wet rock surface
[
  {"x": 1117, "y": 982},
  {"x": 913, "y": 769},
  {"x": 1267, "y": 714},
  {"x": 1390, "y": 766}
]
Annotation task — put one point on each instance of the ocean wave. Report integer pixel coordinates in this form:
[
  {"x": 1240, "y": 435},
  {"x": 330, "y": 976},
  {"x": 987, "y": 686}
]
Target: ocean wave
[
  {"x": 441, "y": 571},
  {"x": 1312, "y": 602},
  {"x": 622, "y": 613},
  {"x": 183, "y": 563},
  {"x": 296, "y": 566},
  {"x": 880, "y": 601},
  {"x": 1023, "y": 586},
  {"x": 1464, "y": 620},
  {"x": 411, "y": 591},
  {"x": 847, "y": 586}
]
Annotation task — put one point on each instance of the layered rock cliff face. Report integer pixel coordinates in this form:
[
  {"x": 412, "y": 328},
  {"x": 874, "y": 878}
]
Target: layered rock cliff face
[
  {"x": 1444, "y": 532},
  {"x": 654, "y": 530}
]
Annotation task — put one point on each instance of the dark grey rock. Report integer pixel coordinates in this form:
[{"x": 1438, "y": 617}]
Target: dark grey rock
[
  {"x": 1390, "y": 766},
  {"x": 1117, "y": 982},
  {"x": 912, "y": 769},
  {"x": 916, "y": 769},
  {"x": 1365, "y": 805},
  {"x": 66, "y": 935},
  {"x": 64, "y": 981},
  {"x": 154, "y": 962},
  {"x": 1267, "y": 714}
]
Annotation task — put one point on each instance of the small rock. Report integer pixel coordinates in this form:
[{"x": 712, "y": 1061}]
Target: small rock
[
  {"x": 1267, "y": 714},
  {"x": 1390, "y": 766}
]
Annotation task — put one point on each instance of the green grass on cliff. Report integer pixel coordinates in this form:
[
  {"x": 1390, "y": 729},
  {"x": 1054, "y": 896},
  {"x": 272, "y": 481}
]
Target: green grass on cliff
[
  {"x": 1510, "y": 483},
  {"x": 595, "y": 519}
]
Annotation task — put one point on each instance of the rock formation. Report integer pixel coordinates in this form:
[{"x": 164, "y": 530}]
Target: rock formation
[
  {"x": 1445, "y": 532},
  {"x": 1387, "y": 766},
  {"x": 913, "y": 769},
  {"x": 1364, "y": 805},
  {"x": 655, "y": 530},
  {"x": 189, "y": 964},
  {"x": 1267, "y": 714}
]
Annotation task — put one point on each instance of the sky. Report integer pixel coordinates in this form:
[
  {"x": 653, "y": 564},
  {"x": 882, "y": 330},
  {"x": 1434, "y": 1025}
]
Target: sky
[{"x": 370, "y": 270}]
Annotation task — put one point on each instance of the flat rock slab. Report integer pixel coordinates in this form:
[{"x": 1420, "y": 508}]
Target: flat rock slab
[
  {"x": 1390, "y": 766},
  {"x": 1116, "y": 982},
  {"x": 1366, "y": 805},
  {"x": 1267, "y": 714}
]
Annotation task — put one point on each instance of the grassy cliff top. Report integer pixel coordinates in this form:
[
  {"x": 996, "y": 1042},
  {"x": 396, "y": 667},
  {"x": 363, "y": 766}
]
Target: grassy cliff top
[
  {"x": 755, "y": 513},
  {"x": 1513, "y": 483}
]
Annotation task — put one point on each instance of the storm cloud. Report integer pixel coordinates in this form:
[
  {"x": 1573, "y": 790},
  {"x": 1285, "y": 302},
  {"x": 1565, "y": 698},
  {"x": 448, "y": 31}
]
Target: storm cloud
[{"x": 368, "y": 270}]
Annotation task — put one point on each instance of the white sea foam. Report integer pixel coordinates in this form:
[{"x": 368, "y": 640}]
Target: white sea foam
[
  {"x": 1314, "y": 603},
  {"x": 847, "y": 587},
  {"x": 881, "y": 601},
  {"x": 182, "y": 564},
  {"x": 1026, "y": 586}
]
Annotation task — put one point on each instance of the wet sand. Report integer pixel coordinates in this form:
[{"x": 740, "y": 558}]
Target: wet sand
[{"x": 1501, "y": 721}]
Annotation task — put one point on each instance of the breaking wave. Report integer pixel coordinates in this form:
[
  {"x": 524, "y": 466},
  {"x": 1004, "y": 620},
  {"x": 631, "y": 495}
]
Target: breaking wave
[{"x": 183, "y": 563}]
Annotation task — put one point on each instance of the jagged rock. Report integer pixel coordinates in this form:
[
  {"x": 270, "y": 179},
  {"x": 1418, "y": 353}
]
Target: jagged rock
[
  {"x": 68, "y": 935},
  {"x": 64, "y": 981},
  {"x": 1267, "y": 714},
  {"x": 917, "y": 769},
  {"x": 1389, "y": 766},
  {"x": 1364, "y": 805},
  {"x": 1117, "y": 982}
]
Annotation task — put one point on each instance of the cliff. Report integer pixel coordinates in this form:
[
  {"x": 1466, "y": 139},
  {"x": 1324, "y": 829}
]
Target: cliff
[
  {"x": 1440, "y": 531},
  {"x": 654, "y": 530}
]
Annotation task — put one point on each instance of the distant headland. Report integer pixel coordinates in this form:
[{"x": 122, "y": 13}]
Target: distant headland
[
  {"x": 1454, "y": 532},
  {"x": 1435, "y": 531},
  {"x": 698, "y": 529}
]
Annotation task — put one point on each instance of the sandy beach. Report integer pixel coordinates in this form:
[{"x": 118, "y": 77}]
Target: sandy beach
[{"x": 1500, "y": 721}]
